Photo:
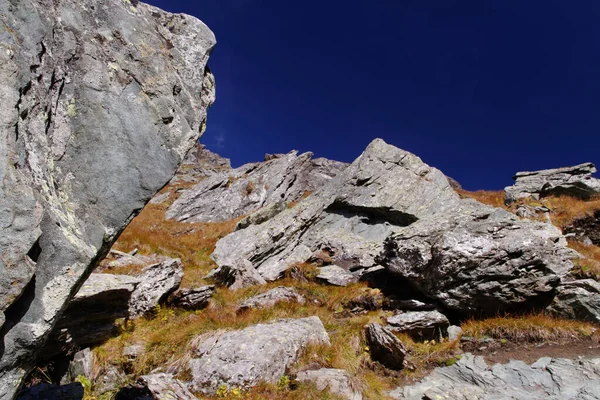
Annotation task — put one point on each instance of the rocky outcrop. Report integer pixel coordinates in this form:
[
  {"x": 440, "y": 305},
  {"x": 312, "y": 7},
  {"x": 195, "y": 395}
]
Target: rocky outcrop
[
  {"x": 101, "y": 101},
  {"x": 578, "y": 300},
  {"x": 90, "y": 316},
  {"x": 586, "y": 229},
  {"x": 272, "y": 297},
  {"x": 241, "y": 359},
  {"x": 390, "y": 209},
  {"x": 157, "y": 282},
  {"x": 262, "y": 215},
  {"x": 337, "y": 381},
  {"x": 192, "y": 299},
  {"x": 236, "y": 276},
  {"x": 231, "y": 194},
  {"x": 574, "y": 181},
  {"x": 200, "y": 163},
  {"x": 335, "y": 275},
  {"x": 386, "y": 348},
  {"x": 472, "y": 378},
  {"x": 426, "y": 325}
]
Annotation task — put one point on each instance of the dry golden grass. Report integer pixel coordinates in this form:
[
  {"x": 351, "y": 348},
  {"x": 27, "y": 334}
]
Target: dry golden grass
[
  {"x": 528, "y": 328},
  {"x": 589, "y": 265},
  {"x": 491, "y": 198},
  {"x": 567, "y": 209}
]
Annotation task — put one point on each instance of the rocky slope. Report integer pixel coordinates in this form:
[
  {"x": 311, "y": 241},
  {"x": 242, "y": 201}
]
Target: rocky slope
[{"x": 101, "y": 102}]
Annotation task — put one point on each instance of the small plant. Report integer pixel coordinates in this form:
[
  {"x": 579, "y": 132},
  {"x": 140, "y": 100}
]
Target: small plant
[
  {"x": 222, "y": 391},
  {"x": 284, "y": 383},
  {"x": 87, "y": 386}
]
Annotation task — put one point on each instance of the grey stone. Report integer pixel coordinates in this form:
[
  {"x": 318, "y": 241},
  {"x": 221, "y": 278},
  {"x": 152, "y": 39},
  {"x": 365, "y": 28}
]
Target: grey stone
[
  {"x": 90, "y": 316},
  {"x": 272, "y": 297},
  {"x": 242, "y": 359},
  {"x": 390, "y": 209},
  {"x": 231, "y": 194},
  {"x": 386, "y": 348},
  {"x": 574, "y": 181},
  {"x": 192, "y": 299},
  {"x": 236, "y": 276},
  {"x": 45, "y": 391},
  {"x": 134, "y": 351},
  {"x": 165, "y": 387},
  {"x": 420, "y": 324},
  {"x": 337, "y": 276},
  {"x": 454, "y": 332},
  {"x": 90, "y": 130},
  {"x": 157, "y": 282},
  {"x": 471, "y": 378},
  {"x": 578, "y": 300},
  {"x": 262, "y": 215},
  {"x": 337, "y": 381},
  {"x": 586, "y": 229},
  {"x": 81, "y": 365},
  {"x": 161, "y": 198}
]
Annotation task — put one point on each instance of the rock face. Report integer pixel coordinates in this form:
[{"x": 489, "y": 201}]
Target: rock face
[
  {"x": 241, "y": 359},
  {"x": 390, "y": 209},
  {"x": 200, "y": 163},
  {"x": 574, "y": 181},
  {"x": 230, "y": 194},
  {"x": 337, "y": 381},
  {"x": 420, "y": 324},
  {"x": 472, "y": 378},
  {"x": 157, "y": 282},
  {"x": 578, "y": 300},
  {"x": 272, "y": 297},
  {"x": 90, "y": 316},
  {"x": 385, "y": 347},
  {"x": 262, "y": 215},
  {"x": 101, "y": 101},
  {"x": 192, "y": 299}
]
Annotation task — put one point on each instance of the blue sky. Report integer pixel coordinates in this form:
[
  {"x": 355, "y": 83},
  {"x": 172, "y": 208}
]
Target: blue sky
[{"x": 480, "y": 89}]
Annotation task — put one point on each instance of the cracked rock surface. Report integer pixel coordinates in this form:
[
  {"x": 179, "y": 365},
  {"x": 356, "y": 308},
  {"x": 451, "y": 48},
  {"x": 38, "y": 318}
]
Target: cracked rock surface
[
  {"x": 101, "y": 100},
  {"x": 471, "y": 378}
]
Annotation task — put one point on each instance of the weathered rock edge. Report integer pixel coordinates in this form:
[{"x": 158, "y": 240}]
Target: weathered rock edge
[{"x": 101, "y": 102}]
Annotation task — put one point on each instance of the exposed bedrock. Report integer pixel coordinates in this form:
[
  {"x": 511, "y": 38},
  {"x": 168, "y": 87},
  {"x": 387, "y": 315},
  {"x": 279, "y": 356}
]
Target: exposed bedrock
[
  {"x": 390, "y": 209},
  {"x": 101, "y": 100}
]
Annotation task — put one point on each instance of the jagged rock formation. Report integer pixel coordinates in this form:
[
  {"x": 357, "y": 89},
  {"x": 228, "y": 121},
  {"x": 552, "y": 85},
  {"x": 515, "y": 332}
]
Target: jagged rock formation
[
  {"x": 241, "y": 359},
  {"x": 200, "y": 163},
  {"x": 90, "y": 316},
  {"x": 238, "y": 192},
  {"x": 101, "y": 100},
  {"x": 192, "y": 299},
  {"x": 390, "y": 209},
  {"x": 586, "y": 229},
  {"x": 337, "y": 381},
  {"x": 420, "y": 324},
  {"x": 262, "y": 215},
  {"x": 272, "y": 297},
  {"x": 574, "y": 181},
  {"x": 386, "y": 348},
  {"x": 157, "y": 282},
  {"x": 578, "y": 300},
  {"x": 335, "y": 275},
  {"x": 472, "y": 378}
]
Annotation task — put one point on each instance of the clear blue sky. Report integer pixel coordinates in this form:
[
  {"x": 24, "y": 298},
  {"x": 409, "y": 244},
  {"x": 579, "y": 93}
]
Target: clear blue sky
[{"x": 480, "y": 89}]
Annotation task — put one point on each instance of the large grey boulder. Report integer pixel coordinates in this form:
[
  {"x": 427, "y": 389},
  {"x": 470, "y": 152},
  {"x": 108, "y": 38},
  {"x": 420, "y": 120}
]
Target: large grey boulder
[
  {"x": 337, "y": 381},
  {"x": 271, "y": 298},
  {"x": 101, "y": 100},
  {"x": 574, "y": 181},
  {"x": 578, "y": 300},
  {"x": 90, "y": 315},
  {"x": 157, "y": 282},
  {"x": 242, "y": 359},
  {"x": 386, "y": 348},
  {"x": 390, "y": 209},
  {"x": 471, "y": 378},
  {"x": 231, "y": 194},
  {"x": 420, "y": 324}
]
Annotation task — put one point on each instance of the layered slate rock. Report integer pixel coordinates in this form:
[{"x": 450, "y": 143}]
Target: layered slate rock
[
  {"x": 241, "y": 359},
  {"x": 389, "y": 209},
  {"x": 101, "y": 100},
  {"x": 262, "y": 215},
  {"x": 231, "y": 194},
  {"x": 272, "y": 297},
  {"x": 337, "y": 381},
  {"x": 90, "y": 316},
  {"x": 386, "y": 348},
  {"x": 420, "y": 324},
  {"x": 576, "y": 181},
  {"x": 472, "y": 378},
  {"x": 157, "y": 282},
  {"x": 192, "y": 299},
  {"x": 586, "y": 229},
  {"x": 578, "y": 300}
]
